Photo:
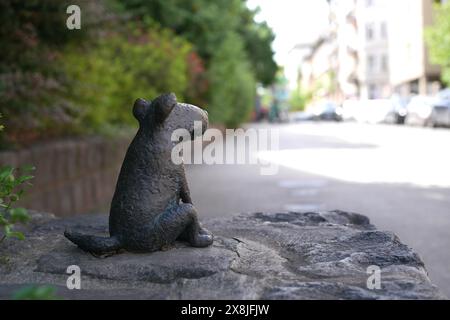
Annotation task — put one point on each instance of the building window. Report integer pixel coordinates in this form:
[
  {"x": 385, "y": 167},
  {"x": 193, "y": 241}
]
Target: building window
[
  {"x": 383, "y": 32},
  {"x": 384, "y": 63},
  {"x": 373, "y": 94},
  {"x": 371, "y": 63},
  {"x": 370, "y": 32}
]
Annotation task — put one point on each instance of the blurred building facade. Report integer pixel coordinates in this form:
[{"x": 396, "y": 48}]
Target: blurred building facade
[
  {"x": 318, "y": 67},
  {"x": 330, "y": 68},
  {"x": 344, "y": 32},
  {"x": 373, "y": 48},
  {"x": 411, "y": 70}
]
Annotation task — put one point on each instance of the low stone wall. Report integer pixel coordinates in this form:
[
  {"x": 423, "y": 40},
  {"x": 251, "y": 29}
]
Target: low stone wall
[
  {"x": 284, "y": 256},
  {"x": 72, "y": 176}
]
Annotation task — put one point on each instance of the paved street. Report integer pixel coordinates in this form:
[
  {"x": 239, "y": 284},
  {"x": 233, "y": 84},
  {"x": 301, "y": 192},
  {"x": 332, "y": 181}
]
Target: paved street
[{"x": 397, "y": 176}]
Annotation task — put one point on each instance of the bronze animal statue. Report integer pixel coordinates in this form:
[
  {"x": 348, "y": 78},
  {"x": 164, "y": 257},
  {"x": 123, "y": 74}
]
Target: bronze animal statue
[{"x": 152, "y": 207}]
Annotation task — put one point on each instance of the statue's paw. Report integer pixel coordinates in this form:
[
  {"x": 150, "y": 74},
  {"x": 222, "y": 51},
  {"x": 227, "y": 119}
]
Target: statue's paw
[{"x": 202, "y": 240}]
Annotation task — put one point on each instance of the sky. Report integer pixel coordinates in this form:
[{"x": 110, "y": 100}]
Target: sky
[{"x": 294, "y": 22}]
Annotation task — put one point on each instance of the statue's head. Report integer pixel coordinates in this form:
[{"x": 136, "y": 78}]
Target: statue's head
[{"x": 166, "y": 113}]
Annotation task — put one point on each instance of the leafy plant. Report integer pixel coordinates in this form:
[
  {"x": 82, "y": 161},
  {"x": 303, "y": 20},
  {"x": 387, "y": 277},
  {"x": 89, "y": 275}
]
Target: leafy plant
[
  {"x": 11, "y": 190},
  {"x": 36, "y": 293},
  {"x": 31, "y": 82},
  {"x": 108, "y": 77}
]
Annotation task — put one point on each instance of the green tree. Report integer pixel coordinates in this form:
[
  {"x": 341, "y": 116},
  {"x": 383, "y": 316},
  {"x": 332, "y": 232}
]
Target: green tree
[
  {"x": 258, "y": 38},
  {"x": 206, "y": 23},
  {"x": 438, "y": 39},
  {"x": 55, "y": 81},
  {"x": 235, "y": 49},
  {"x": 232, "y": 86}
]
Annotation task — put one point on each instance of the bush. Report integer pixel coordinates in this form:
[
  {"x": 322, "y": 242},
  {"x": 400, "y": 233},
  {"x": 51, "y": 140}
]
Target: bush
[
  {"x": 57, "y": 82},
  {"x": 107, "y": 78},
  {"x": 232, "y": 84},
  {"x": 31, "y": 88}
]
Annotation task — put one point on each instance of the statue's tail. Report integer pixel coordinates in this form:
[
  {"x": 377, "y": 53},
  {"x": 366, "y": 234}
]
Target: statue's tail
[{"x": 94, "y": 244}]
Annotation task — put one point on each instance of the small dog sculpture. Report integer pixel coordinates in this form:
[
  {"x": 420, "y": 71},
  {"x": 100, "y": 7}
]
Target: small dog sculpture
[{"x": 151, "y": 207}]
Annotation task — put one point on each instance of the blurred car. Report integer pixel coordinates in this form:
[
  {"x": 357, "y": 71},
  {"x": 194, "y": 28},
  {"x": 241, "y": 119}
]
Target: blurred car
[
  {"x": 326, "y": 111},
  {"x": 440, "y": 117},
  {"x": 301, "y": 116},
  {"x": 398, "y": 111},
  {"x": 350, "y": 109},
  {"x": 429, "y": 111},
  {"x": 444, "y": 94},
  {"x": 373, "y": 111}
]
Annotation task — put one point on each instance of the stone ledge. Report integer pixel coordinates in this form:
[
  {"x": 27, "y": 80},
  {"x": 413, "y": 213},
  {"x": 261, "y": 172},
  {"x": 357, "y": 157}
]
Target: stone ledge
[{"x": 255, "y": 256}]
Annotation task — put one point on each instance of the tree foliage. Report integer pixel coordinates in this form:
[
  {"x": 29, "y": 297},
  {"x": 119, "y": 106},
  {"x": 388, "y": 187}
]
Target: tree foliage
[
  {"x": 122, "y": 66},
  {"x": 55, "y": 81},
  {"x": 299, "y": 100},
  {"x": 206, "y": 24},
  {"x": 232, "y": 83},
  {"x": 438, "y": 39},
  {"x": 235, "y": 49}
]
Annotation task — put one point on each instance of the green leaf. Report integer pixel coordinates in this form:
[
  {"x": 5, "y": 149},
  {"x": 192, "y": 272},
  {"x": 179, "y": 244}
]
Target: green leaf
[
  {"x": 36, "y": 293},
  {"x": 23, "y": 179},
  {"x": 7, "y": 229},
  {"x": 15, "y": 234},
  {"x": 3, "y": 221},
  {"x": 19, "y": 215},
  {"x": 6, "y": 172},
  {"x": 28, "y": 168}
]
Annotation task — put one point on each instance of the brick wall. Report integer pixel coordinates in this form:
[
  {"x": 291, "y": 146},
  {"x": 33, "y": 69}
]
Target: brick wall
[{"x": 72, "y": 176}]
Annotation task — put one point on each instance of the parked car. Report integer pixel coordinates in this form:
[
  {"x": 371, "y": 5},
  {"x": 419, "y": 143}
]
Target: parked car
[
  {"x": 301, "y": 116},
  {"x": 327, "y": 111},
  {"x": 350, "y": 109},
  {"x": 429, "y": 111},
  {"x": 440, "y": 117},
  {"x": 373, "y": 111},
  {"x": 444, "y": 94},
  {"x": 398, "y": 111}
]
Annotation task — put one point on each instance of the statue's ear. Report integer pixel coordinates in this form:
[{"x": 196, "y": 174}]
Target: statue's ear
[
  {"x": 140, "y": 109},
  {"x": 163, "y": 106}
]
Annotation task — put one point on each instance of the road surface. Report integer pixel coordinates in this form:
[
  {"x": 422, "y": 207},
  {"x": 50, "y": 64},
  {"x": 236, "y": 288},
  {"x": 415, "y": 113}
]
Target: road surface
[{"x": 398, "y": 176}]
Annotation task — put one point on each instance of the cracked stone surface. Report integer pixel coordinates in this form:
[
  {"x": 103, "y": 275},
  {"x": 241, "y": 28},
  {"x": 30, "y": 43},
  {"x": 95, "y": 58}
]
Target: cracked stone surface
[{"x": 322, "y": 255}]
